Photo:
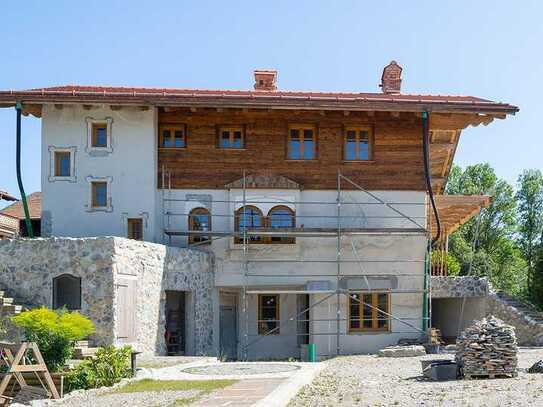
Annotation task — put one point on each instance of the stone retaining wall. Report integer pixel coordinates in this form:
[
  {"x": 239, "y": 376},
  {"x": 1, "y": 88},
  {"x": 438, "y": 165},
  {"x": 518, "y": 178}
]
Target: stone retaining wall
[{"x": 457, "y": 287}]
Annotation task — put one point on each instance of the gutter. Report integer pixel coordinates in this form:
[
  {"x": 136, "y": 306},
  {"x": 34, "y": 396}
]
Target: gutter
[{"x": 29, "y": 229}]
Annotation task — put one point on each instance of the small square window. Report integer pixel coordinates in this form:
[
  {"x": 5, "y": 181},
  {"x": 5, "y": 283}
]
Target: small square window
[
  {"x": 172, "y": 136},
  {"x": 358, "y": 144},
  {"x": 62, "y": 164},
  {"x": 99, "y": 135},
  {"x": 135, "y": 228},
  {"x": 99, "y": 194},
  {"x": 301, "y": 143},
  {"x": 231, "y": 137}
]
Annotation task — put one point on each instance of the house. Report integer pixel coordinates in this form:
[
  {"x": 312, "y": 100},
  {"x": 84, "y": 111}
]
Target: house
[
  {"x": 13, "y": 216},
  {"x": 312, "y": 210}
]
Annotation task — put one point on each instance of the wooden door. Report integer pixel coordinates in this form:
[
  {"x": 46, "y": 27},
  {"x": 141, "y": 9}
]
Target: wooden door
[{"x": 126, "y": 309}]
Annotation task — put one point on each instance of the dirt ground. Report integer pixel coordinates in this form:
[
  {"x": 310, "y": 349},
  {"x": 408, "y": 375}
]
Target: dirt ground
[{"x": 374, "y": 381}]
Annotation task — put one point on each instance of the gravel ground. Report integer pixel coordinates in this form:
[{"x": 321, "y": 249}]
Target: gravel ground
[
  {"x": 374, "y": 381},
  {"x": 241, "y": 369}
]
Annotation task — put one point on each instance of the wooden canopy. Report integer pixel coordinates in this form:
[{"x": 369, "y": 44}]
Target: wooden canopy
[{"x": 455, "y": 210}]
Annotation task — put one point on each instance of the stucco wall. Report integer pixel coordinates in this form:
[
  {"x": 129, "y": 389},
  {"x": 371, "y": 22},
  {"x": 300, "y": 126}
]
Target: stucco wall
[{"x": 131, "y": 166}]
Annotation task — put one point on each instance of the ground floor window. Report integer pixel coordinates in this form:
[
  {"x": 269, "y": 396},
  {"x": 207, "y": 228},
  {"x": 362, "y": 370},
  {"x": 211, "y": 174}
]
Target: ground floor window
[
  {"x": 134, "y": 228},
  {"x": 268, "y": 314},
  {"x": 369, "y": 311},
  {"x": 67, "y": 292}
]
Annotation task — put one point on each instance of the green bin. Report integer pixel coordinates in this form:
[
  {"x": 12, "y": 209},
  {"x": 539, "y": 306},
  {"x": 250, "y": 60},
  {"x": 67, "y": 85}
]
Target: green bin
[{"x": 312, "y": 352}]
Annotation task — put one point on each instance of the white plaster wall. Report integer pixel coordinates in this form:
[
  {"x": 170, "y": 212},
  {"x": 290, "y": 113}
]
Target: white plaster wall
[{"x": 131, "y": 166}]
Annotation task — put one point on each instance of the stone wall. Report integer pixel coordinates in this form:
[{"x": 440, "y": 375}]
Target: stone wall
[
  {"x": 456, "y": 287},
  {"x": 27, "y": 269}
]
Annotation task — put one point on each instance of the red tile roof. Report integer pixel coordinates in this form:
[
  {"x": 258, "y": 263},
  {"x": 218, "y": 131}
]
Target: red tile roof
[
  {"x": 251, "y": 98},
  {"x": 16, "y": 209}
]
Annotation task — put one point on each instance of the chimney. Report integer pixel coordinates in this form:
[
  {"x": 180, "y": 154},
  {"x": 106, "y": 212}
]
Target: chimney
[
  {"x": 265, "y": 79},
  {"x": 391, "y": 80}
]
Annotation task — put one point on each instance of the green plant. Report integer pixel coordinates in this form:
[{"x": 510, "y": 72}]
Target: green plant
[
  {"x": 106, "y": 368},
  {"x": 55, "y": 332},
  {"x": 452, "y": 264}
]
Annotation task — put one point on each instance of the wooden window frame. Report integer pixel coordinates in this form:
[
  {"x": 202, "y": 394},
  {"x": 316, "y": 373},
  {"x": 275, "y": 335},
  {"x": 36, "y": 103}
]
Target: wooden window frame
[
  {"x": 357, "y": 130},
  {"x": 301, "y": 128},
  {"x": 285, "y": 239},
  {"x": 230, "y": 129},
  {"x": 237, "y": 216},
  {"x": 277, "y": 319},
  {"x": 374, "y": 317},
  {"x": 94, "y": 134},
  {"x": 199, "y": 211},
  {"x": 57, "y": 158},
  {"x": 129, "y": 224},
  {"x": 93, "y": 193},
  {"x": 172, "y": 128}
]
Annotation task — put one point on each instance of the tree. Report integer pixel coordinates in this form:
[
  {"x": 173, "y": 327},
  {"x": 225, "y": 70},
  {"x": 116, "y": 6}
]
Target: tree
[{"x": 530, "y": 229}]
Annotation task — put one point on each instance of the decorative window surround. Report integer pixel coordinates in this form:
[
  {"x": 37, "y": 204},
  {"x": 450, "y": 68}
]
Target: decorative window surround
[
  {"x": 144, "y": 216},
  {"x": 99, "y": 151},
  {"x": 52, "y": 151},
  {"x": 109, "y": 207}
]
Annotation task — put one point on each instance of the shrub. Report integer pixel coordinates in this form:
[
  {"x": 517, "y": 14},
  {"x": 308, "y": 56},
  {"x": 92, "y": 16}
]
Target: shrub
[
  {"x": 106, "y": 368},
  {"x": 55, "y": 332}
]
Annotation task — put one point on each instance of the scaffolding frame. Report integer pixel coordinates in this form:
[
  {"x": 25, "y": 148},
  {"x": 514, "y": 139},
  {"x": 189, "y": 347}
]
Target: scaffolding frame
[{"x": 338, "y": 232}]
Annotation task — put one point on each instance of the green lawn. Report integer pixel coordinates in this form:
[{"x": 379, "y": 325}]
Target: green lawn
[{"x": 174, "y": 385}]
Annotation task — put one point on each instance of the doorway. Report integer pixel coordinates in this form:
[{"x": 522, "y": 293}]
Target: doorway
[
  {"x": 175, "y": 323},
  {"x": 228, "y": 327}
]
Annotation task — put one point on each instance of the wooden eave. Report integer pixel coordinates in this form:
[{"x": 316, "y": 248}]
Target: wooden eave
[{"x": 456, "y": 210}]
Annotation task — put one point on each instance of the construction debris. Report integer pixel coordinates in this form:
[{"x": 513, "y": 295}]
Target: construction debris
[
  {"x": 402, "y": 351},
  {"x": 487, "y": 349},
  {"x": 537, "y": 367}
]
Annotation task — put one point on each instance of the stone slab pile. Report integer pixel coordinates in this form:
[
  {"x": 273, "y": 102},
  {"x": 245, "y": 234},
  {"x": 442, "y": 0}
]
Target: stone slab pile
[{"x": 487, "y": 349}]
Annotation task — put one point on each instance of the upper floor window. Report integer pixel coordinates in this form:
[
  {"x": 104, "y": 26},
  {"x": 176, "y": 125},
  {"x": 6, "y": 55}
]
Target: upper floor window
[
  {"x": 369, "y": 311},
  {"x": 231, "y": 137},
  {"x": 248, "y": 217},
  {"x": 99, "y": 135},
  {"x": 199, "y": 221},
  {"x": 358, "y": 144},
  {"x": 301, "y": 144},
  {"x": 62, "y": 164},
  {"x": 134, "y": 228},
  {"x": 99, "y": 194},
  {"x": 173, "y": 136},
  {"x": 281, "y": 217}
]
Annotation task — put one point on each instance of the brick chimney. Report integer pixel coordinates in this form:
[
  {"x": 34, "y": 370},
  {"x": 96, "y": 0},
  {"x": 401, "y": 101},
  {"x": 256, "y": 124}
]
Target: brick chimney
[
  {"x": 391, "y": 80},
  {"x": 265, "y": 79}
]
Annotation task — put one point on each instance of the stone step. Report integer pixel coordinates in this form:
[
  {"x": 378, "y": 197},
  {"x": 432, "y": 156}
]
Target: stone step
[
  {"x": 84, "y": 352},
  {"x": 2, "y": 293},
  {"x": 82, "y": 344},
  {"x": 7, "y": 301},
  {"x": 12, "y": 309}
]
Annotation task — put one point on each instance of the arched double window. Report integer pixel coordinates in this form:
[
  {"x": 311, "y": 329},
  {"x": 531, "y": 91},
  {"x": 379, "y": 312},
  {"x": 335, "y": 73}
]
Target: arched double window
[
  {"x": 199, "y": 221},
  {"x": 247, "y": 218},
  {"x": 67, "y": 292},
  {"x": 281, "y": 217}
]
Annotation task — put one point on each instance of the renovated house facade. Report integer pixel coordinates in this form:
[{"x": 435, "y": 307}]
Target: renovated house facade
[{"x": 316, "y": 208}]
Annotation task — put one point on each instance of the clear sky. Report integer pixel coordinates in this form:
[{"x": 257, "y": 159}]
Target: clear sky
[{"x": 491, "y": 49}]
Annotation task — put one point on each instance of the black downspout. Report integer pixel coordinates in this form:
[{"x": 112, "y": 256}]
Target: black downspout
[
  {"x": 19, "y": 179},
  {"x": 427, "y": 176}
]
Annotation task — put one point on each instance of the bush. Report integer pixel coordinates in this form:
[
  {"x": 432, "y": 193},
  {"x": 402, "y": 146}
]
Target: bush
[
  {"x": 106, "y": 368},
  {"x": 55, "y": 332},
  {"x": 453, "y": 266}
]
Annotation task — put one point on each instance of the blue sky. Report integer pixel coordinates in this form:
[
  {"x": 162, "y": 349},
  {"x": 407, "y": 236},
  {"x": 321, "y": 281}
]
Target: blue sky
[{"x": 489, "y": 49}]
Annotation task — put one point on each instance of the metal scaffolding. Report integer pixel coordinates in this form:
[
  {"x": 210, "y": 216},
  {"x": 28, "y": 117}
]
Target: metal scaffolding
[{"x": 415, "y": 226}]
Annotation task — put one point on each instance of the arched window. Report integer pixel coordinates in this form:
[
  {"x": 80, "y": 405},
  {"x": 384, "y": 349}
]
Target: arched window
[
  {"x": 200, "y": 221},
  {"x": 281, "y": 217},
  {"x": 67, "y": 292},
  {"x": 249, "y": 217}
]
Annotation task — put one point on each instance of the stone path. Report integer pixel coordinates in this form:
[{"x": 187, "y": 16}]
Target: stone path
[{"x": 242, "y": 393}]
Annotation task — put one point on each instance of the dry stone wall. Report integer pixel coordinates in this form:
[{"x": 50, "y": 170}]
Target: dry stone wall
[{"x": 457, "y": 287}]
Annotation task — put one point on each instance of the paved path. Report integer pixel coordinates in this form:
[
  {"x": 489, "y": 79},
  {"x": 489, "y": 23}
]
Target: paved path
[{"x": 243, "y": 393}]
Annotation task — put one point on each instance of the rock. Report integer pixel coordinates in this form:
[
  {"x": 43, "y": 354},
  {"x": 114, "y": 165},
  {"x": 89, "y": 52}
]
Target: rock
[
  {"x": 402, "y": 351},
  {"x": 537, "y": 367}
]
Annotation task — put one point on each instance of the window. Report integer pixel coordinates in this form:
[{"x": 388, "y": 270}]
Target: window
[
  {"x": 358, "y": 144},
  {"x": 248, "y": 217},
  {"x": 301, "y": 143},
  {"x": 367, "y": 311},
  {"x": 173, "y": 136},
  {"x": 268, "y": 314},
  {"x": 199, "y": 220},
  {"x": 99, "y": 135},
  {"x": 231, "y": 137},
  {"x": 135, "y": 228},
  {"x": 281, "y": 217},
  {"x": 99, "y": 194},
  {"x": 67, "y": 292},
  {"x": 62, "y": 163}
]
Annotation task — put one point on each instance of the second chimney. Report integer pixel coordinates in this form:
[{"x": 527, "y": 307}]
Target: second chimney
[
  {"x": 391, "y": 80},
  {"x": 265, "y": 79}
]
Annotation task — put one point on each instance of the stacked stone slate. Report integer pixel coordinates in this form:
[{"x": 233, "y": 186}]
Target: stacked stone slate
[{"x": 487, "y": 349}]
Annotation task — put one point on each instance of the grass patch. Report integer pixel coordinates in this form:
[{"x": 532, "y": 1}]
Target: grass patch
[
  {"x": 185, "y": 402},
  {"x": 145, "y": 385}
]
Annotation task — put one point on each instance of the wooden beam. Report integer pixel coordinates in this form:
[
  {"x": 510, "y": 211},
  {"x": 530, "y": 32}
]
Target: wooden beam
[
  {"x": 346, "y": 113},
  {"x": 87, "y": 107},
  {"x": 396, "y": 115},
  {"x": 115, "y": 107},
  {"x": 59, "y": 106},
  {"x": 440, "y": 147},
  {"x": 144, "y": 108},
  {"x": 34, "y": 110}
]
